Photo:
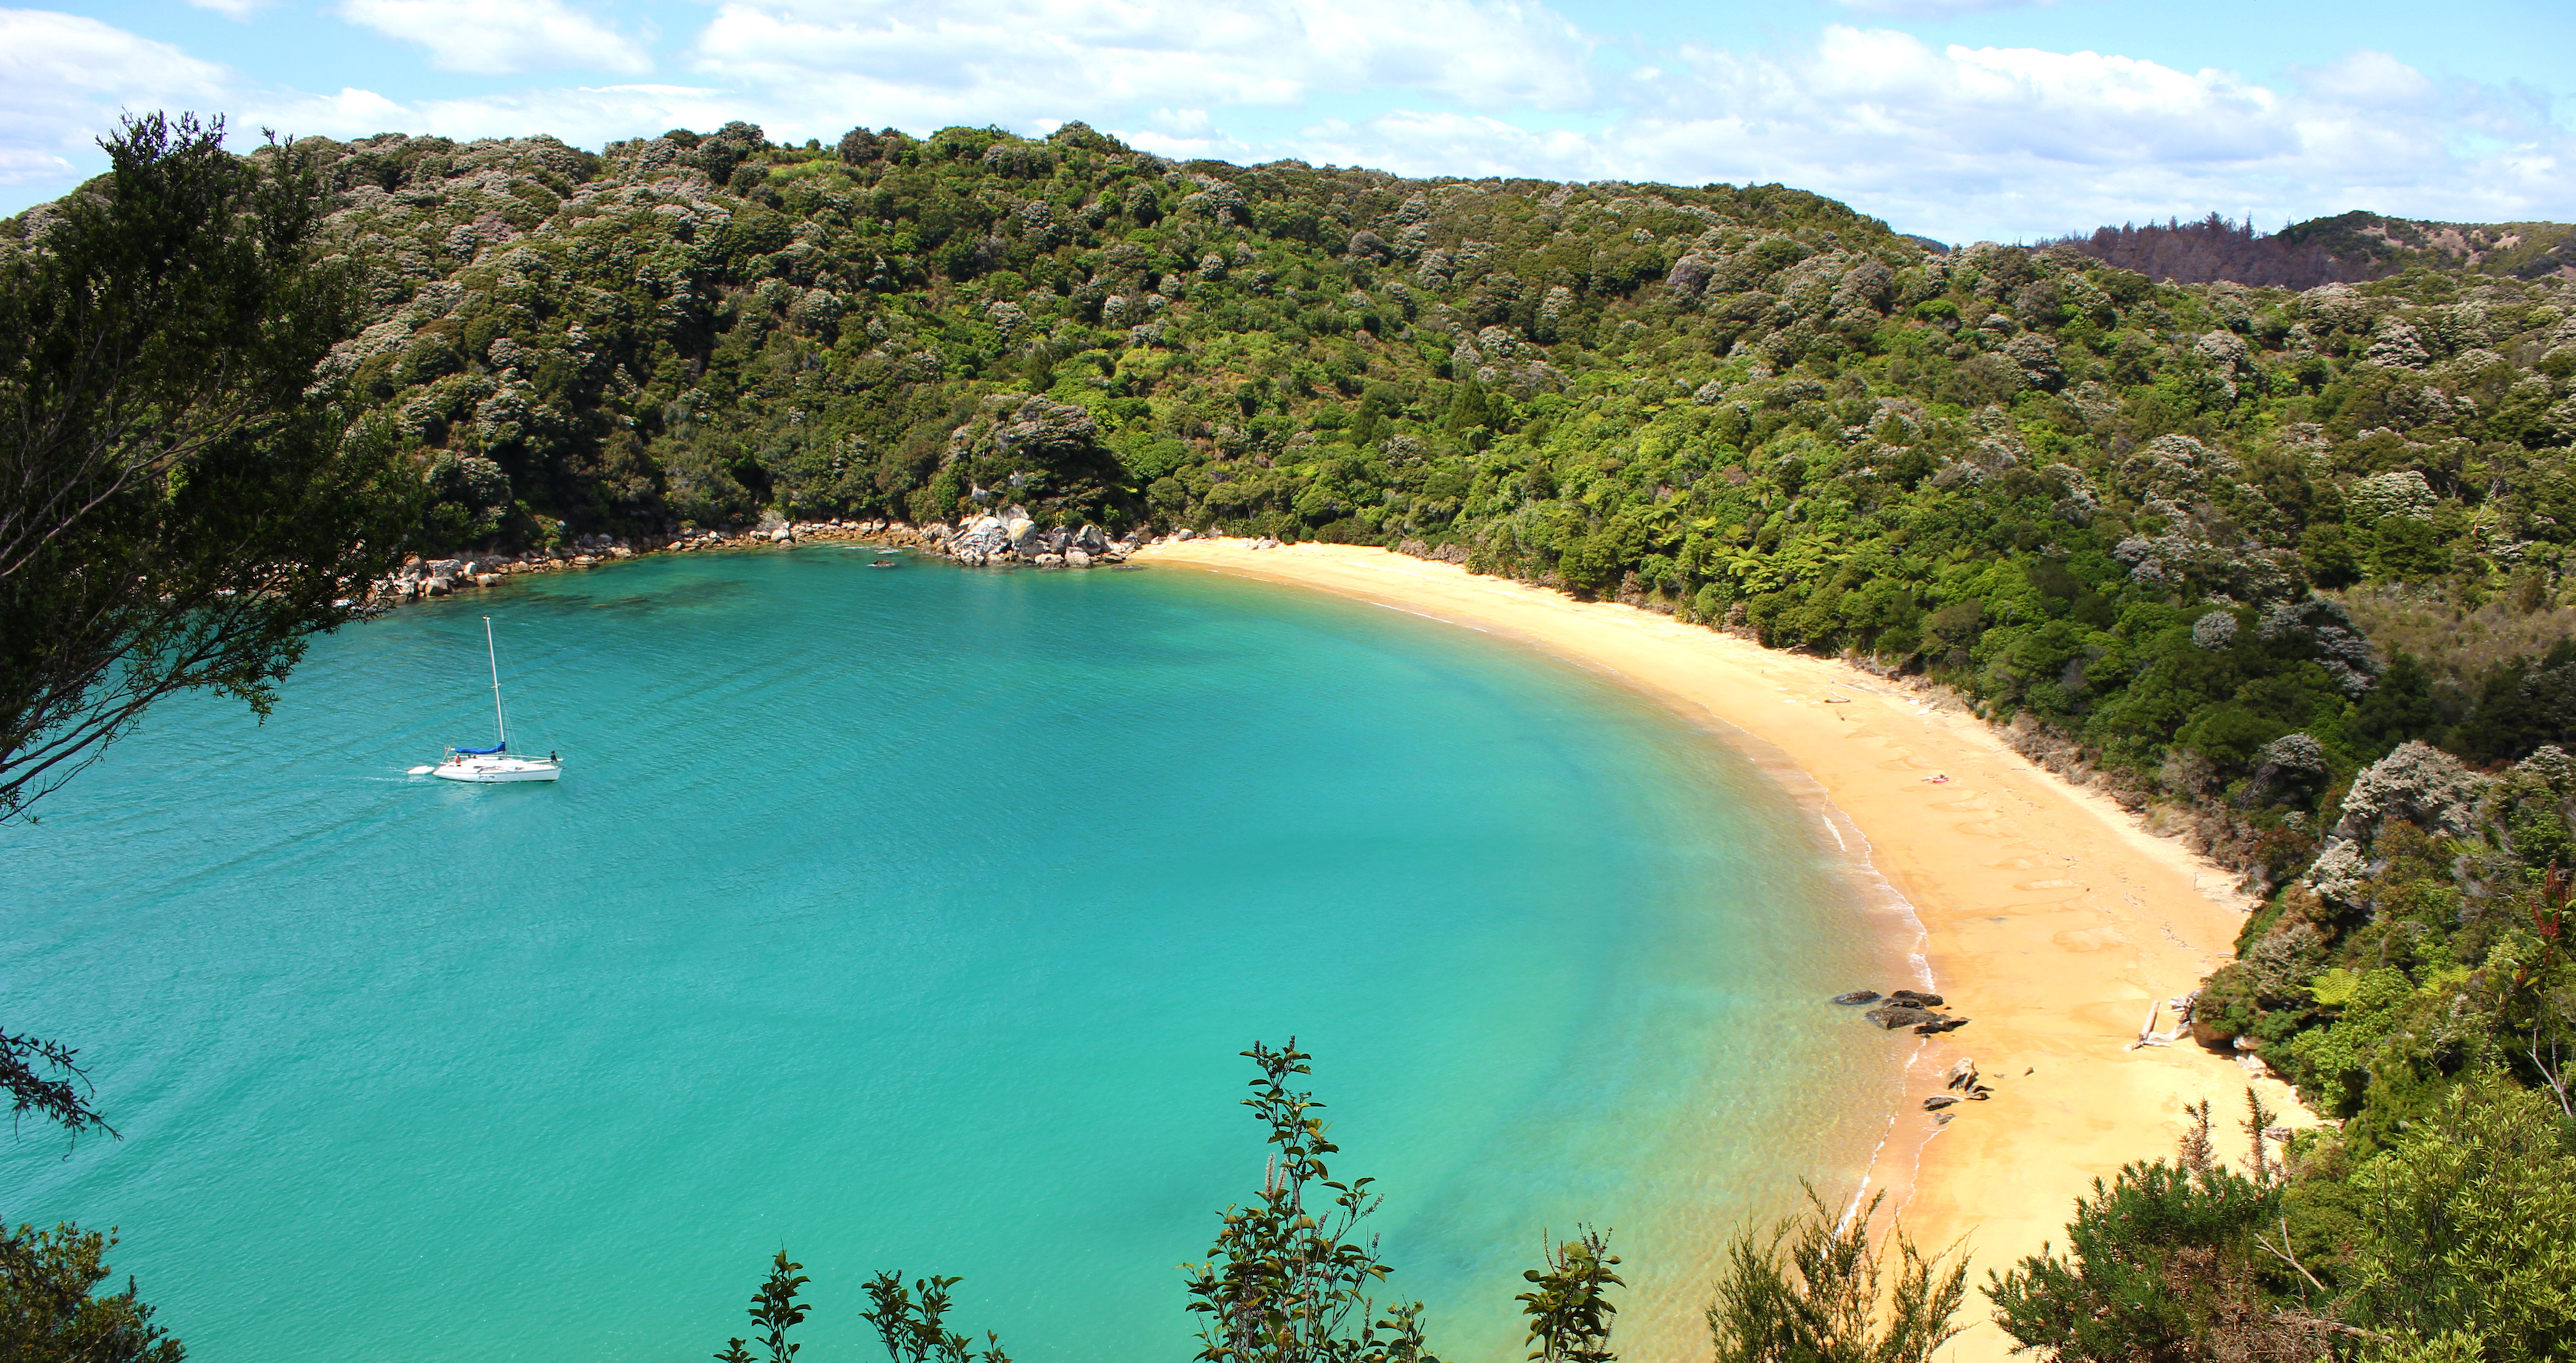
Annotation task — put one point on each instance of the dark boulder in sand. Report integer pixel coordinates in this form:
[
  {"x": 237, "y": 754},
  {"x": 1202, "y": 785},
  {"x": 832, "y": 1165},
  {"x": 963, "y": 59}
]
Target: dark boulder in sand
[
  {"x": 1913, "y": 998},
  {"x": 1899, "y": 1015},
  {"x": 1935, "y": 1025}
]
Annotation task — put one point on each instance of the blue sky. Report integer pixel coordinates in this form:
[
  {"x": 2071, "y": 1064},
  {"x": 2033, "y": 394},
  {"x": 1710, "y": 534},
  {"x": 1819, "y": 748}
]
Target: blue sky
[{"x": 1959, "y": 119}]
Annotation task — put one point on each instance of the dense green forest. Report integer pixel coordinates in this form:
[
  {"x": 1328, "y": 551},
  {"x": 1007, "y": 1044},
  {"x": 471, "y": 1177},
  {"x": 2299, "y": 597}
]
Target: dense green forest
[
  {"x": 2287, "y": 570},
  {"x": 2164, "y": 530}
]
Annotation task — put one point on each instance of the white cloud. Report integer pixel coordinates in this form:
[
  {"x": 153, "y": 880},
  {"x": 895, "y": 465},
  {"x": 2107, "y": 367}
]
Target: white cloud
[
  {"x": 588, "y": 116},
  {"x": 1967, "y": 142},
  {"x": 1182, "y": 135},
  {"x": 491, "y": 37},
  {"x": 64, "y": 79},
  {"x": 1471, "y": 145},
  {"x": 1932, "y": 9},
  {"x": 1019, "y": 62},
  {"x": 237, "y": 10},
  {"x": 1956, "y": 142},
  {"x": 2369, "y": 77},
  {"x": 350, "y": 113}
]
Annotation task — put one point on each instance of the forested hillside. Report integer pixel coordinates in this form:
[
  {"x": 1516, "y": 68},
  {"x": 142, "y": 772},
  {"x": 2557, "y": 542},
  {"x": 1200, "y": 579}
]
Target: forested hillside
[
  {"x": 2157, "y": 525},
  {"x": 2073, "y": 493}
]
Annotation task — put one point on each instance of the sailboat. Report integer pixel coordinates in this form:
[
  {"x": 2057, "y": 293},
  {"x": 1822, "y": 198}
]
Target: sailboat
[{"x": 495, "y": 763}]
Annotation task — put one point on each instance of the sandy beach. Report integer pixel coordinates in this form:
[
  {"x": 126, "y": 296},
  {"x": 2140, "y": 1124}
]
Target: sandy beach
[{"x": 2050, "y": 916}]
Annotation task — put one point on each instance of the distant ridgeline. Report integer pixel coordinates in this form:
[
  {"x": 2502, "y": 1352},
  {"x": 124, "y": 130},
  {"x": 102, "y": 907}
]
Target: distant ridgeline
[
  {"x": 2102, "y": 507},
  {"x": 2347, "y": 248}
]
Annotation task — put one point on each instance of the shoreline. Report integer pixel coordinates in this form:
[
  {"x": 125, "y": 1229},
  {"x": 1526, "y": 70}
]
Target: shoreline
[
  {"x": 420, "y": 578},
  {"x": 2047, "y": 913}
]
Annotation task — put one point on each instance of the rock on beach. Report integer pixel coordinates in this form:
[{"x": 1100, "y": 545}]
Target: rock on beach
[
  {"x": 1011, "y": 535},
  {"x": 1901, "y": 1015}
]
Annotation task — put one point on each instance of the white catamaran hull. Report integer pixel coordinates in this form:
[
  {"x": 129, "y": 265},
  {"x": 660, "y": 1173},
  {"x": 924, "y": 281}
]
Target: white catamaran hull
[{"x": 487, "y": 769}]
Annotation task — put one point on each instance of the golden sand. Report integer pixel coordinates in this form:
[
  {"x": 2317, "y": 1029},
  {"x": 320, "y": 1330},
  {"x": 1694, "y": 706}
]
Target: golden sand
[{"x": 2051, "y": 917}]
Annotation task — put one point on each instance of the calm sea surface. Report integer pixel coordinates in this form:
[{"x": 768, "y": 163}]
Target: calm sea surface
[{"x": 913, "y": 919}]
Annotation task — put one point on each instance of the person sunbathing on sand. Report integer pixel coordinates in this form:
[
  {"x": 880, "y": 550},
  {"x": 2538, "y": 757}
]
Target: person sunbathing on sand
[{"x": 1936, "y": 779}]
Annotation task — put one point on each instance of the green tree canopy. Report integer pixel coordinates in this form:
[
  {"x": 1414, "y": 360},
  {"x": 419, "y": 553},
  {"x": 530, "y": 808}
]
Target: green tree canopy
[{"x": 179, "y": 509}]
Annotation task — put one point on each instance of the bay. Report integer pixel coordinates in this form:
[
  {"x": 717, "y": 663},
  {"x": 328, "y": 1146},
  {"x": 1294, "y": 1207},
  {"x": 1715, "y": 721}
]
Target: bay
[{"x": 912, "y": 919}]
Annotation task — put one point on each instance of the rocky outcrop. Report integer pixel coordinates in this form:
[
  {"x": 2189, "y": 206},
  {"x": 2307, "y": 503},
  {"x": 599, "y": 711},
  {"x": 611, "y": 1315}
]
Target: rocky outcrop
[
  {"x": 421, "y": 578},
  {"x": 1961, "y": 1085},
  {"x": 1906, "y": 1008},
  {"x": 1011, "y": 535},
  {"x": 985, "y": 540}
]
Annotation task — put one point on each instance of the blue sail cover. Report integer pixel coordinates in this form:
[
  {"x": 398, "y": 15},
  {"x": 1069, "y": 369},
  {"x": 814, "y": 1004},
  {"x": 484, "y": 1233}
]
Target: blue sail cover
[{"x": 485, "y": 752}]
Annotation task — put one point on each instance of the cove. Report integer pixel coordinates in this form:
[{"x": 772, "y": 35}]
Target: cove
[{"x": 912, "y": 920}]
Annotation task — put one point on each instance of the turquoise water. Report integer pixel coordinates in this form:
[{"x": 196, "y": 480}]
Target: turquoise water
[{"x": 912, "y": 919}]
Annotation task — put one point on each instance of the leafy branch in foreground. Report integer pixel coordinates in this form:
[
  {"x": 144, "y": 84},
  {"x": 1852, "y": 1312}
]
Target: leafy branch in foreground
[
  {"x": 775, "y": 1309},
  {"x": 48, "y": 1312},
  {"x": 912, "y": 1327},
  {"x": 1287, "y": 1282},
  {"x": 915, "y": 1329},
  {"x": 2174, "y": 1261},
  {"x": 2469, "y": 1228},
  {"x": 44, "y": 1077},
  {"x": 2540, "y": 1002},
  {"x": 1811, "y": 1294},
  {"x": 180, "y": 505},
  {"x": 1568, "y": 1303}
]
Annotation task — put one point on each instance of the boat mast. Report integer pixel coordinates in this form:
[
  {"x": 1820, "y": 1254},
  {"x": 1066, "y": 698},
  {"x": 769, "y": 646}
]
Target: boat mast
[{"x": 495, "y": 655}]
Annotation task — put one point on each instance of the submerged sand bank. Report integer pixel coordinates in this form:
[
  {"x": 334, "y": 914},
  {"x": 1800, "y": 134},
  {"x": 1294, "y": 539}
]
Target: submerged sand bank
[{"x": 2049, "y": 916}]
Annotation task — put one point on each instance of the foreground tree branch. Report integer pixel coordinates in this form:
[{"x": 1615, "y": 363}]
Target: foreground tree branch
[
  {"x": 181, "y": 505},
  {"x": 46, "y": 1078}
]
